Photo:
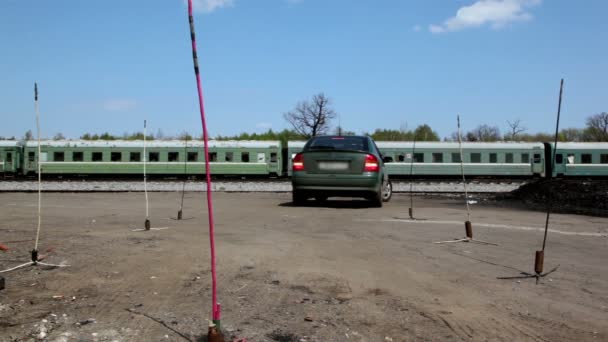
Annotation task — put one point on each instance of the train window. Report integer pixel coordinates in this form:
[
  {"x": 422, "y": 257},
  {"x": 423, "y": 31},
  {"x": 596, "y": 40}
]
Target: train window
[
  {"x": 586, "y": 159},
  {"x": 192, "y": 156},
  {"x": 31, "y": 156},
  {"x": 401, "y": 158},
  {"x": 559, "y": 159},
  {"x": 173, "y": 156},
  {"x": 570, "y": 159},
  {"x": 537, "y": 158},
  {"x": 437, "y": 157},
  {"x": 493, "y": 158},
  {"x": 58, "y": 156},
  {"x": 418, "y": 157},
  {"x": 212, "y": 156},
  {"x": 245, "y": 157},
  {"x": 153, "y": 156},
  {"x": 273, "y": 157},
  {"x": 135, "y": 156},
  {"x": 475, "y": 157},
  {"x": 77, "y": 156},
  {"x": 456, "y": 158},
  {"x": 116, "y": 156},
  {"x": 603, "y": 158},
  {"x": 9, "y": 157},
  {"x": 525, "y": 158},
  {"x": 509, "y": 158},
  {"x": 97, "y": 156},
  {"x": 229, "y": 156}
]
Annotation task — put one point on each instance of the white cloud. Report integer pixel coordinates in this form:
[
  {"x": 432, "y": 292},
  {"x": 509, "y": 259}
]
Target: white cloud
[
  {"x": 496, "y": 13},
  {"x": 119, "y": 105},
  {"x": 208, "y": 6}
]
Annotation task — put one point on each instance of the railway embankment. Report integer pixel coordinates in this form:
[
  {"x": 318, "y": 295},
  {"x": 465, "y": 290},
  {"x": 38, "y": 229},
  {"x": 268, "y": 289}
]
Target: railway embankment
[{"x": 573, "y": 196}]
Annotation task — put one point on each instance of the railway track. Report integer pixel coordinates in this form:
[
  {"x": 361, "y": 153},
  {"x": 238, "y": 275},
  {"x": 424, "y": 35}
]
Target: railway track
[{"x": 247, "y": 185}]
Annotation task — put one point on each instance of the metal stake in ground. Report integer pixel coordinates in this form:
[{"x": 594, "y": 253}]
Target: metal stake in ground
[
  {"x": 147, "y": 222},
  {"x": 215, "y": 305},
  {"x": 147, "y": 225},
  {"x": 181, "y": 205},
  {"x": 35, "y": 258},
  {"x": 411, "y": 211},
  {"x": 539, "y": 256},
  {"x": 468, "y": 227}
]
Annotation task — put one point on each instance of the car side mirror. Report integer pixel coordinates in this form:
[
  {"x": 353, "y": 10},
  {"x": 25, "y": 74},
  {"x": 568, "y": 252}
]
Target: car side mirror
[{"x": 387, "y": 159}]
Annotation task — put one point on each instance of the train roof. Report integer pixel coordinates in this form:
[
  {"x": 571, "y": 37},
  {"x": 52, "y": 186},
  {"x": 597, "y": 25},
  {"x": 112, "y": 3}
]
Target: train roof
[
  {"x": 156, "y": 143},
  {"x": 581, "y": 145},
  {"x": 454, "y": 145},
  {"x": 9, "y": 143}
]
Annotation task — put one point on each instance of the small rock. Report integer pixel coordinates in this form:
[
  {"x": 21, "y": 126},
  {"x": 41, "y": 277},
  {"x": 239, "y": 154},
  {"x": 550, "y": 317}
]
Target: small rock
[{"x": 308, "y": 319}]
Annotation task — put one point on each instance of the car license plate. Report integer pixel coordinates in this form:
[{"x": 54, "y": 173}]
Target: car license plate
[{"x": 332, "y": 165}]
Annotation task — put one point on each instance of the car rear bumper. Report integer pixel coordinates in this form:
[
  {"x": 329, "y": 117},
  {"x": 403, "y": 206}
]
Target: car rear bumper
[{"x": 337, "y": 183}]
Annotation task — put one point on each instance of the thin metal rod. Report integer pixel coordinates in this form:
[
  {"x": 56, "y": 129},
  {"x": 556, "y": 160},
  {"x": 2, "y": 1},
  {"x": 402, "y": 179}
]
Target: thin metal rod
[
  {"x": 145, "y": 178},
  {"x": 550, "y": 199},
  {"x": 464, "y": 181},
  {"x": 412, "y": 172},
  {"x": 215, "y": 305},
  {"x": 39, "y": 167},
  {"x": 181, "y": 206}
]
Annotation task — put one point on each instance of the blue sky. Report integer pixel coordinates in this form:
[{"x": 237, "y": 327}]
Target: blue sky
[{"x": 107, "y": 65}]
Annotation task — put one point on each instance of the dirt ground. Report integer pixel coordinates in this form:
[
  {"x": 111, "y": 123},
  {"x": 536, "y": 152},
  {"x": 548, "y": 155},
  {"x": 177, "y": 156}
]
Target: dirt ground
[{"x": 334, "y": 272}]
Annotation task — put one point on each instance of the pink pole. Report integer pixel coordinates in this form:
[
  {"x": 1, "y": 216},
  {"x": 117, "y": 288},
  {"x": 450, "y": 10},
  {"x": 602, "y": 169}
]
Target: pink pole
[{"x": 215, "y": 307}]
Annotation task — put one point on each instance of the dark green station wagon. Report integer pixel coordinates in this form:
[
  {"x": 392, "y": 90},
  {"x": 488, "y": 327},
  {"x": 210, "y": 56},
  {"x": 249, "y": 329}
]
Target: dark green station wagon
[{"x": 344, "y": 166}]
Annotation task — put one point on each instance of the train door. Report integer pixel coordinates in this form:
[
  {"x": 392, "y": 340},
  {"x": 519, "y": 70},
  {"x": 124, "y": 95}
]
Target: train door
[
  {"x": 559, "y": 168},
  {"x": 537, "y": 162},
  {"x": 8, "y": 162}
]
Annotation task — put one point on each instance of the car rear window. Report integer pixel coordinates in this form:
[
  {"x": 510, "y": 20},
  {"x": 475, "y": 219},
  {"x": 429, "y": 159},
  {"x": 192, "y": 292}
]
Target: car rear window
[{"x": 338, "y": 143}]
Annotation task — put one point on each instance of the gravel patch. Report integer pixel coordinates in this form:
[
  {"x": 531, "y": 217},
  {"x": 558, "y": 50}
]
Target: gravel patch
[{"x": 242, "y": 186}]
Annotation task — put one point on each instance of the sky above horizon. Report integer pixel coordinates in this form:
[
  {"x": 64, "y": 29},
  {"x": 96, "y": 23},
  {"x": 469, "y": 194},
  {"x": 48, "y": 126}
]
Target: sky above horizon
[{"x": 108, "y": 65}]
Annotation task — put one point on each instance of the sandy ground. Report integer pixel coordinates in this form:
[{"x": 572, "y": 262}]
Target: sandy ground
[{"x": 336, "y": 272}]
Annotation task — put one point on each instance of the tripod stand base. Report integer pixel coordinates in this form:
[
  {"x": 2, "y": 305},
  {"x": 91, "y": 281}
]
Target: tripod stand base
[
  {"x": 147, "y": 224},
  {"x": 179, "y": 215}
]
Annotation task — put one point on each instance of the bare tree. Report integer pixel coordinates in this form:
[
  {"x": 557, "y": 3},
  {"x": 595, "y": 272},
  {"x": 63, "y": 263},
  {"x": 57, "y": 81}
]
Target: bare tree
[
  {"x": 515, "y": 128},
  {"x": 59, "y": 136},
  {"x": 483, "y": 133},
  {"x": 597, "y": 127},
  {"x": 28, "y": 135},
  {"x": 311, "y": 118}
]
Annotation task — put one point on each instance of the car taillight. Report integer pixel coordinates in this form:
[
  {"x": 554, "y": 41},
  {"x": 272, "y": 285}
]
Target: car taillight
[
  {"x": 298, "y": 162},
  {"x": 371, "y": 164}
]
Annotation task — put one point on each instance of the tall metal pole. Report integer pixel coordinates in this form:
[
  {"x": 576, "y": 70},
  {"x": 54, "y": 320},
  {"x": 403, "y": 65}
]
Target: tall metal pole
[
  {"x": 215, "y": 304},
  {"x": 35, "y": 251},
  {"x": 540, "y": 255}
]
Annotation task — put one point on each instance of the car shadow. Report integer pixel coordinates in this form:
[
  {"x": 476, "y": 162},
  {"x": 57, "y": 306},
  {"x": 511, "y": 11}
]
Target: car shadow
[{"x": 332, "y": 203}]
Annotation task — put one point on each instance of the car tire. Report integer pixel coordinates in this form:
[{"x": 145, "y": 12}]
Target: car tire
[
  {"x": 376, "y": 199},
  {"x": 387, "y": 191},
  {"x": 297, "y": 197}
]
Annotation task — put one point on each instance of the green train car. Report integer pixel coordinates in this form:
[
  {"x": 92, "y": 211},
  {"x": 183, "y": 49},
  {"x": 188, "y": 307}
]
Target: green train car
[
  {"x": 479, "y": 159},
  {"x": 499, "y": 159},
  {"x": 10, "y": 157},
  {"x": 579, "y": 159},
  {"x": 167, "y": 158}
]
